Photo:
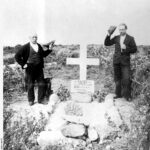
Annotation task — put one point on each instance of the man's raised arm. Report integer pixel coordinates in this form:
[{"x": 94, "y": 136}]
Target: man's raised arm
[
  {"x": 108, "y": 41},
  {"x": 49, "y": 47}
]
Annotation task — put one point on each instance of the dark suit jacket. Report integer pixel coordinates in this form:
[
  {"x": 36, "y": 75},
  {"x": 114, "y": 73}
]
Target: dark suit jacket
[
  {"x": 23, "y": 53},
  {"x": 124, "y": 56}
]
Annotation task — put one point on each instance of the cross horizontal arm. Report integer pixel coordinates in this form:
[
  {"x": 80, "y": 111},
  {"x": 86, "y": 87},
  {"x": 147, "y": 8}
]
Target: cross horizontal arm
[
  {"x": 73, "y": 61},
  {"x": 92, "y": 61}
]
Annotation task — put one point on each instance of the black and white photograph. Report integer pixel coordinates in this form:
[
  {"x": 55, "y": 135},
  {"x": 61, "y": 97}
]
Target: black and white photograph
[{"x": 75, "y": 75}]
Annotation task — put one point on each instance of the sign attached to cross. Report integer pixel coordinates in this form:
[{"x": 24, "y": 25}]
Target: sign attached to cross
[{"x": 83, "y": 62}]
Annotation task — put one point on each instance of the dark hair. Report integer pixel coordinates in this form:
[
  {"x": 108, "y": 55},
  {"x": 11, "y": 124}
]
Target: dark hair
[{"x": 123, "y": 24}]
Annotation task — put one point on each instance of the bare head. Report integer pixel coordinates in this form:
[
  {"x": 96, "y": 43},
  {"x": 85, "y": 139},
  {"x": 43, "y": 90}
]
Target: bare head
[
  {"x": 123, "y": 29},
  {"x": 33, "y": 38}
]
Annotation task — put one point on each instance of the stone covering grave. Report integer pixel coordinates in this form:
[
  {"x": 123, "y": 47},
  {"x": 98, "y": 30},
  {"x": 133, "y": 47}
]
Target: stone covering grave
[{"x": 95, "y": 122}]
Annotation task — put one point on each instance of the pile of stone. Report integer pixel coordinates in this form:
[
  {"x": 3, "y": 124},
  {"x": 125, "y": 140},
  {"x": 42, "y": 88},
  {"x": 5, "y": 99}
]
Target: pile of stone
[{"x": 86, "y": 122}]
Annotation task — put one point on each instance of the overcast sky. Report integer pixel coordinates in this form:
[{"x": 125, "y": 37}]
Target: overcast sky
[{"x": 72, "y": 21}]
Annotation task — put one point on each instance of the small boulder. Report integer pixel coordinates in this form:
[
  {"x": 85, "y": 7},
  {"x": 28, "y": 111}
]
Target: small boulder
[
  {"x": 53, "y": 100},
  {"x": 55, "y": 124},
  {"x": 109, "y": 101},
  {"x": 49, "y": 138},
  {"x": 73, "y": 130},
  {"x": 92, "y": 134},
  {"x": 76, "y": 119},
  {"x": 56, "y": 121}
]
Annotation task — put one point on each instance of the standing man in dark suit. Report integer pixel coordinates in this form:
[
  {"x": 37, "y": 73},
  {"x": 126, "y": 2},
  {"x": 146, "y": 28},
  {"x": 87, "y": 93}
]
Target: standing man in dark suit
[
  {"x": 124, "y": 46},
  {"x": 30, "y": 57}
]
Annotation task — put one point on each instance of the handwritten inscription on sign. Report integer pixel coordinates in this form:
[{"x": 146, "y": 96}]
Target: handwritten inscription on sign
[{"x": 82, "y": 86}]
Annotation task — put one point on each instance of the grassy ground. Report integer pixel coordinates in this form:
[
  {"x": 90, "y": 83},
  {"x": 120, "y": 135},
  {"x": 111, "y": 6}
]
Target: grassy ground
[{"x": 102, "y": 76}]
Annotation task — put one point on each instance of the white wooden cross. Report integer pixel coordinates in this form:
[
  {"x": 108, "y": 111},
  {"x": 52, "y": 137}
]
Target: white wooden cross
[{"x": 83, "y": 61}]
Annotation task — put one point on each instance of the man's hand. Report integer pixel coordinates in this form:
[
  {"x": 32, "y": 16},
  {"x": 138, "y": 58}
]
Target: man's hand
[
  {"x": 111, "y": 30},
  {"x": 51, "y": 44},
  {"x": 25, "y": 66}
]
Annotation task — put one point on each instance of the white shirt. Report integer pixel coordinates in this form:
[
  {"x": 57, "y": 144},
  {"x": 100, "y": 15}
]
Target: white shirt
[
  {"x": 122, "y": 38},
  {"x": 34, "y": 46}
]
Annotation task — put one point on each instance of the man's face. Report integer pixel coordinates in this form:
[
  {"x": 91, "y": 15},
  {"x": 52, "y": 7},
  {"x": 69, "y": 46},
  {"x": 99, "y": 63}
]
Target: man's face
[
  {"x": 33, "y": 39},
  {"x": 122, "y": 30}
]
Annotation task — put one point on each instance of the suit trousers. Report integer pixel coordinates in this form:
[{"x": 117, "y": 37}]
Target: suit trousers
[
  {"x": 122, "y": 79},
  {"x": 32, "y": 74}
]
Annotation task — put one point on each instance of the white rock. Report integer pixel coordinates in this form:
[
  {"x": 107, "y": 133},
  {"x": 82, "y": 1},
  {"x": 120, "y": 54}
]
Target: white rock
[
  {"x": 49, "y": 138},
  {"x": 76, "y": 119},
  {"x": 56, "y": 122},
  {"x": 92, "y": 134},
  {"x": 95, "y": 114},
  {"x": 50, "y": 109},
  {"x": 73, "y": 130},
  {"x": 109, "y": 102},
  {"x": 53, "y": 100}
]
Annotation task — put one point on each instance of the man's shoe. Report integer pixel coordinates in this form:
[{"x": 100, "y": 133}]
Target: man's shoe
[
  {"x": 44, "y": 102},
  {"x": 31, "y": 103},
  {"x": 116, "y": 97}
]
